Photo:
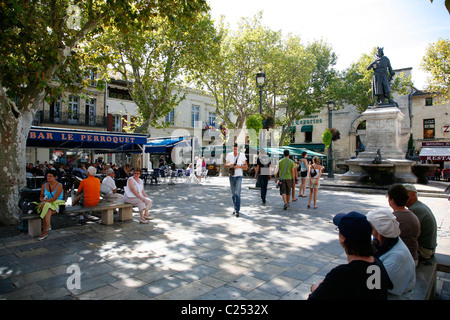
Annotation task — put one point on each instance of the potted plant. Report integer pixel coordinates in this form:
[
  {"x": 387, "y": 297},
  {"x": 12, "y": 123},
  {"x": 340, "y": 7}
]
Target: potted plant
[
  {"x": 327, "y": 137},
  {"x": 336, "y": 135}
]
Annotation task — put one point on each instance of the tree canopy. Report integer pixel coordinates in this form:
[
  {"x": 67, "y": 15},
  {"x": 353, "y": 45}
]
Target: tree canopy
[{"x": 436, "y": 63}]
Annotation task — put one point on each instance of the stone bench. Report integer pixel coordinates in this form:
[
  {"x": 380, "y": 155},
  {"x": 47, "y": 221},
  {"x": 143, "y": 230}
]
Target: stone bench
[
  {"x": 107, "y": 211},
  {"x": 105, "y": 208}
]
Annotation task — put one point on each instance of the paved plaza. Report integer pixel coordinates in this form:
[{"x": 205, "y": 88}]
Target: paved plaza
[{"x": 195, "y": 249}]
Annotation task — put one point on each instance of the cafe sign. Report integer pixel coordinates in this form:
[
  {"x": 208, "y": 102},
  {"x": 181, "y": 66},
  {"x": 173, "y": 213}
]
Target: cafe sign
[{"x": 79, "y": 137}]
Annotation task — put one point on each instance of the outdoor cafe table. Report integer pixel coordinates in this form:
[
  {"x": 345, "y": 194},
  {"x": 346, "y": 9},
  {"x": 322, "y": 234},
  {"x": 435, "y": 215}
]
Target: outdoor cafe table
[{"x": 35, "y": 181}]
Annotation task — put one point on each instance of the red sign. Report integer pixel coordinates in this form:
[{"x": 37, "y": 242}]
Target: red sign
[{"x": 436, "y": 158}]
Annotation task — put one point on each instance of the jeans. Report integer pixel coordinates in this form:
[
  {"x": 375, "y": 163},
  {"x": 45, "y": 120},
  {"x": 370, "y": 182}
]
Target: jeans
[
  {"x": 263, "y": 180},
  {"x": 235, "y": 184}
]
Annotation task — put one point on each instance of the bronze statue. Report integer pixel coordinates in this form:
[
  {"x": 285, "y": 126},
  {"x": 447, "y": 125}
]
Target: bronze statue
[{"x": 382, "y": 75}]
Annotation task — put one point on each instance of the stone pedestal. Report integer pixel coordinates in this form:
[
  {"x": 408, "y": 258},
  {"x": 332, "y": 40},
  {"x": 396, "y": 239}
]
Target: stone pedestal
[{"x": 383, "y": 132}]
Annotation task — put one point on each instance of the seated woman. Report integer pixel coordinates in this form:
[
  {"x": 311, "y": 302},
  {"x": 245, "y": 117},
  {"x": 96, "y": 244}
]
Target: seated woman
[
  {"x": 135, "y": 194},
  {"x": 51, "y": 198}
]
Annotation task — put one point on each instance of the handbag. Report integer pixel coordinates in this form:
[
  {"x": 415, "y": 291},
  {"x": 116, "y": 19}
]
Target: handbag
[
  {"x": 280, "y": 182},
  {"x": 232, "y": 170}
]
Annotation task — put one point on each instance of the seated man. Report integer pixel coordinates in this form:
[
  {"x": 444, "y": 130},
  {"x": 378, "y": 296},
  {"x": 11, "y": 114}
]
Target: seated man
[
  {"x": 109, "y": 188},
  {"x": 88, "y": 192},
  {"x": 364, "y": 277},
  {"x": 409, "y": 223},
  {"x": 428, "y": 227},
  {"x": 392, "y": 251}
]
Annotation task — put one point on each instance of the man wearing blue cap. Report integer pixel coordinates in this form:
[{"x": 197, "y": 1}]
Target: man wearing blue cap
[{"x": 364, "y": 277}]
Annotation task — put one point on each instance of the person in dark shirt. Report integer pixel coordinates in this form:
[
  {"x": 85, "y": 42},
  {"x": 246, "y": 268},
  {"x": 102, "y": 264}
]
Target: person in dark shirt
[{"x": 364, "y": 277}]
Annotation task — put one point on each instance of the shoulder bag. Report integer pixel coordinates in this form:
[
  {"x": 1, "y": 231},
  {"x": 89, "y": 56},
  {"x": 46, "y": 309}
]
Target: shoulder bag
[{"x": 280, "y": 182}]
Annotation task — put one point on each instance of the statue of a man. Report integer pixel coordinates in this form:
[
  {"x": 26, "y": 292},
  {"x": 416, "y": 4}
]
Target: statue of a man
[{"x": 382, "y": 75}]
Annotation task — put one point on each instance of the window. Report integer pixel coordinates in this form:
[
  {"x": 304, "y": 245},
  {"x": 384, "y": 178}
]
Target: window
[
  {"x": 117, "y": 123},
  {"x": 73, "y": 109},
  {"x": 170, "y": 117},
  {"x": 428, "y": 128},
  {"x": 212, "y": 119},
  {"x": 55, "y": 110},
  {"x": 428, "y": 101},
  {"x": 92, "y": 80},
  {"x": 119, "y": 94},
  {"x": 90, "y": 111},
  {"x": 195, "y": 117},
  {"x": 308, "y": 136}
]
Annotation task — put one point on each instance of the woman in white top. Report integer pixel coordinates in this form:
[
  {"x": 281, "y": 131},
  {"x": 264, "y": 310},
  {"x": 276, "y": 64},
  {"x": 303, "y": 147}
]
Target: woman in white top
[
  {"x": 315, "y": 171},
  {"x": 135, "y": 194}
]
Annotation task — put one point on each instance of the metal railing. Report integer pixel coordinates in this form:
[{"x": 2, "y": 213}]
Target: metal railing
[{"x": 66, "y": 118}]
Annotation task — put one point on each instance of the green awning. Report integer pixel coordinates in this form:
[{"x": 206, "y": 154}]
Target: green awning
[{"x": 307, "y": 128}]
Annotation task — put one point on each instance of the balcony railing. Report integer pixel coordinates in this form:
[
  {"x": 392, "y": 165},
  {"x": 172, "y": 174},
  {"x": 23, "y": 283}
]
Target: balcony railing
[{"x": 65, "y": 118}]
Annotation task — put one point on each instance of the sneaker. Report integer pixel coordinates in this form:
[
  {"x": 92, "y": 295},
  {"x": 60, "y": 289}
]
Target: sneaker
[{"x": 237, "y": 214}]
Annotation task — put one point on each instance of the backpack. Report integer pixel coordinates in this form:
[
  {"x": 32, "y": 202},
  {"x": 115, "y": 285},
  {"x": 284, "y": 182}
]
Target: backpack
[
  {"x": 29, "y": 208},
  {"x": 313, "y": 172}
]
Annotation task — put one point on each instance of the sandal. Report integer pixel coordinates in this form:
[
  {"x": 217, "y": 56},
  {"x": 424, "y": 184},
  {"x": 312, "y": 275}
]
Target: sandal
[
  {"x": 143, "y": 222},
  {"x": 43, "y": 237},
  {"x": 148, "y": 218}
]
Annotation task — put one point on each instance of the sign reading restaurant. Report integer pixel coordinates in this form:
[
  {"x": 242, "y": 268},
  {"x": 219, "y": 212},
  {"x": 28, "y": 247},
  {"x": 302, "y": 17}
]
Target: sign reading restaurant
[
  {"x": 435, "y": 143},
  {"x": 308, "y": 120}
]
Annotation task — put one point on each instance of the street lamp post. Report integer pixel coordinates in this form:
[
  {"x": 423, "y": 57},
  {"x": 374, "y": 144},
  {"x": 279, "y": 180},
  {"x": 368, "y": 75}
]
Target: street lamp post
[
  {"x": 330, "y": 125},
  {"x": 260, "y": 82}
]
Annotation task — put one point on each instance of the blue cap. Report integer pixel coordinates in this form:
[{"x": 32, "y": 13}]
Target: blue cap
[{"x": 354, "y": 226}]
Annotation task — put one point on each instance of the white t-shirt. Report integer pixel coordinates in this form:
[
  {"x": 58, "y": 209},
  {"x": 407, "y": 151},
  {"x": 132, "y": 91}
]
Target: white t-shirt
[
  {"x": 108, "y": 185},
  {"x": 239, "y": 160}
]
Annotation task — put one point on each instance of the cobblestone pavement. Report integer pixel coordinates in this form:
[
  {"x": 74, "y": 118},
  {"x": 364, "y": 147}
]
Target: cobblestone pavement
[{"x": 195, "y": 249}]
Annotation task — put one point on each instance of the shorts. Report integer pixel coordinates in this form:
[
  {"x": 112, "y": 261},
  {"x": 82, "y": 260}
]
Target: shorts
[
  {"x": 286, "y": 187},
  {"x": 312, "y": 183}
]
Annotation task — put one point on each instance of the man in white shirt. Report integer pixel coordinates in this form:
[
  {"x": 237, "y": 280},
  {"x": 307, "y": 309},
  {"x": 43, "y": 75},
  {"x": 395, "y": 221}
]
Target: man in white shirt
[
  {"x": 237, "y": 162},
  {"x": 108, "y": 187}
]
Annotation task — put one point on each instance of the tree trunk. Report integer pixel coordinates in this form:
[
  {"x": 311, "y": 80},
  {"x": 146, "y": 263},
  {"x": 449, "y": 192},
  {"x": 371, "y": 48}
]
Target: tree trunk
[{"x": 14, "y": 128}]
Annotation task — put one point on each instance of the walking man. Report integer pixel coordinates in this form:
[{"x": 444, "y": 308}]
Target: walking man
[
  {"x": 286, "y": 172},
  {"x": 263, "y": 173},
  {"x": 237, "y": 163}
]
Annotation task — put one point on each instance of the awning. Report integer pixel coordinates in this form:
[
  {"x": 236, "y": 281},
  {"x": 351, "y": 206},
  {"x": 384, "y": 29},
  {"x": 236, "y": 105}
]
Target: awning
[
  {"x": 316, "y": 147},
  {"x": 299, "y": 151},
  {"x": 161, "y": 145},
  {"x": 62, "y": 138},
  {"x": 296, "y": 152},
  {"x": 307, "y": 128},
  {"x": 435, "y": 154}
]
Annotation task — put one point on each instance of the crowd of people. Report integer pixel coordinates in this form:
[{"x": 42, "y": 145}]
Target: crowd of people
[
  {"x": 383, "y": 248},
  {"x": 288, "y": 174}
]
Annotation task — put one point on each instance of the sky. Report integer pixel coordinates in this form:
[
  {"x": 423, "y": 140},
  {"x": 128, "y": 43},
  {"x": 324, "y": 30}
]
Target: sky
[{"x": 405, "y": 28}]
